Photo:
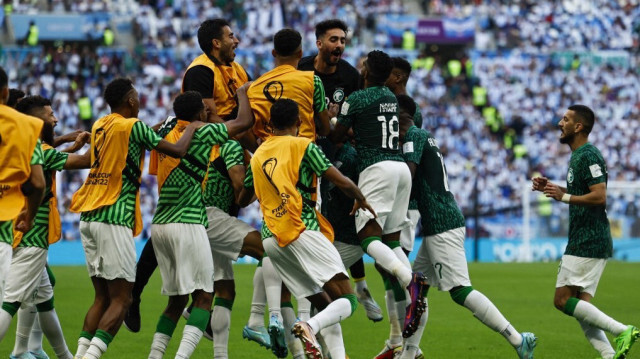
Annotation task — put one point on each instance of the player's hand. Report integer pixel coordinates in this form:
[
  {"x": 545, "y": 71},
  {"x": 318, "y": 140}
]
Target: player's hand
[
  {"x": 364, "y": 206},
  {"x": 244, "y": 87},
  {"x": 333, "y": 109},
  {"x": 23, "y": 224},
  {"x": 69, "y": 137},
  {"x": 554, "y": 191},
  {"x": 539, "y": 183},
  {"x": 81, "y": 139}
]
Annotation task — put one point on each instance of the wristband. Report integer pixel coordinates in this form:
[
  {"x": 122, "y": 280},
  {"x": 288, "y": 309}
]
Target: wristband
[
  {"x": 566, "y": 198},
  {"x": 334, "y": 120}
]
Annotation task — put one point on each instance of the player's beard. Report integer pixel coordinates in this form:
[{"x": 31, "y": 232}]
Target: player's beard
[
  {"x": 567, "y": 138},
  {"x": 327, "y": 58},
  {"x": 47, "y": 133}
]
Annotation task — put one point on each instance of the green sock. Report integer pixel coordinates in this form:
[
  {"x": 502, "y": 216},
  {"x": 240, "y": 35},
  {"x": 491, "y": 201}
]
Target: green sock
[
  {"x": 104, "y": 336},
  {"x": 570, "y": 306},
  {"x": 166, "y": 326},
  {"x": 223, "y": 303},
  {"x": 199, "y": 318},
  {"x": 365, "y": 242}
]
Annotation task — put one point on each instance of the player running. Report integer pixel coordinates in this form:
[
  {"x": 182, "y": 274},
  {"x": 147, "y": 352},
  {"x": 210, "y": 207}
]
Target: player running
[
  {"x": 109, "y": 204},
  {"x": 384, "y": 177},
  {"x": 441, "y": 256},
  {"x": 589, "y": 235},
  {"x": 296, "y": 237}
]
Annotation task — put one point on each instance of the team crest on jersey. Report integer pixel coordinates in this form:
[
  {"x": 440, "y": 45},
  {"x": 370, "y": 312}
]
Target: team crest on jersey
[
  {"x": 338, "y": 95},
  {"x": 570, "y": 176}
]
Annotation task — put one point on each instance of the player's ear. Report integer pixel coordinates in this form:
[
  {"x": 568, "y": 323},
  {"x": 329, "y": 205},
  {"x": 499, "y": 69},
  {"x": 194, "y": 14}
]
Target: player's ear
[
  {"x": 318, "y": 44},
  {"x": 274, "y": 53}
]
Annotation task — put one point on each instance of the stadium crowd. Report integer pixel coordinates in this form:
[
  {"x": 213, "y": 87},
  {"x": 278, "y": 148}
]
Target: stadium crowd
[{"x": 526, "y": 88}]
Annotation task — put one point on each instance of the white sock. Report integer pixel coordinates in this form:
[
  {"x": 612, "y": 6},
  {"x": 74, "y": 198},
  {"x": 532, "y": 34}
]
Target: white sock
[
  {"x": 402, "y": 256},
  {"x": 388, "y": 260},
  {"x": 361, "y": 285},
  {"x": 483, "y": 309},
  {"x": 335, "y": 312},
  {"x": 26, "y": 318},
  {"x": 83, "y": 345},
  {"x": 288, "y": 319},
  {"x": 401, "y": 310},
  {"x": 598, "y": 339},
  {"x": 159, "y": 345},
  {"x": 588, "y": 313},
  {"x": 190, "y": 338},
  {"x": 273, "y": 287},
  {"x": 221, "y": 324},
  {"x": 395, "y": 330},
  {"x": 333, "y": 338},
  {"x": 53, "y": 331},
  {"x": 96, "y": 349},
  {"x": 412, "y": 344},
  {"x": 258, "y": 302},
  {"x": 304, "y": 309},
  {"x": 35, "y": 339},
  {"x": 5, "y": 322}
]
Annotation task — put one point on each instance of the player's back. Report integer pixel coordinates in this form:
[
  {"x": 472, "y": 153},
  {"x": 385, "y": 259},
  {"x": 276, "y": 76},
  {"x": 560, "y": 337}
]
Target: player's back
[{"x": 373, "y": 115}]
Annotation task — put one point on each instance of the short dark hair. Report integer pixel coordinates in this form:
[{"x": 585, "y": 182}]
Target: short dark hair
[
  {"x": 585, "y": 116},
  {"x": 323, "y": 26},
  {"x": 30, "y": 104},
  {"x": 286, "y": 42},
  {"x": 379, "y": 65},
  {"x": 4, "y": 79},
  {"x": 406, "y": 104},
  {"x": 209, "y": 30},
  {"x": 116, "y": 90},
  {"x": 187, "y": 105},
  {"x": 14, "y": 96},
  {"x": 402, "y": 64},
  {"x": 284, "y": 113}
]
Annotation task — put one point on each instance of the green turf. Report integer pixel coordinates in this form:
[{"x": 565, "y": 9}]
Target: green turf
[{"x": 523, "y": 292}]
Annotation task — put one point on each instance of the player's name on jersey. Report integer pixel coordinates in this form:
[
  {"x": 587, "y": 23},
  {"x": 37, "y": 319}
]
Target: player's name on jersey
[{"x": 388, "y": 107}]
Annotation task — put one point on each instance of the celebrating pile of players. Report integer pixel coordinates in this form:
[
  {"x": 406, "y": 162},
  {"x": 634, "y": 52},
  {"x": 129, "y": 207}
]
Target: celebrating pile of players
[{"x": 340, "y": 166}]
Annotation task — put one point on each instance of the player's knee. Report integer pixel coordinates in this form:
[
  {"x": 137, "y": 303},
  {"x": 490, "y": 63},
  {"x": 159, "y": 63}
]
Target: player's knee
[
  {"x": 560, "y": 302},
  {"x": 460, "y": 294},
  {"x": 202, "y": 299},
  {"x": 225, "y": 289}
]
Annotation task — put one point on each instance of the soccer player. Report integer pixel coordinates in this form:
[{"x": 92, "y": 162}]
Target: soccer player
[
  {"x": 285, "y": 81},
  {"x": 179, "y": 224},
  {"x": 110, "y": 210},
  {"x": 589, "y": 235},
  {"x": 441, "y": 256},
  {"x": 384, "y": 177},
  {"x": 31, "y": 248},
  {"x": 21, "y": 178},
  {"x": 282, "y": 173},
  {"x": 395, "y": 297},
  {"x": 339, "y": 79},
  {"x": 216, "y": 76},
  {"x": 306, "y": 89}
]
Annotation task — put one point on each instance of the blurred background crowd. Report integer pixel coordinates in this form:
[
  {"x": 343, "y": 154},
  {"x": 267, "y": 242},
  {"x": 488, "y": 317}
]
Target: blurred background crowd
[{"x": 493, "y": 102}]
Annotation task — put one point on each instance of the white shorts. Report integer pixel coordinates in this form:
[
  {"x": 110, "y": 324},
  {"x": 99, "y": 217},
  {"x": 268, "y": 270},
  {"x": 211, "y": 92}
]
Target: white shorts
[
  {"x": 580, "y": 272},
  {"x": 442, "y": 260},
  {"x": 408, "y": 235},
  {"x": 226, "y": 233},
  {"x": 109, "y": 250},
  {"x": 387, "y": 186},
  {"x": 25, "y": 274},
  {"x": 184, "y": 258},
  {"x": 349, "y": 253},
  {"x": 306, "y": 264},
  {"x": 5, "y": 263}
]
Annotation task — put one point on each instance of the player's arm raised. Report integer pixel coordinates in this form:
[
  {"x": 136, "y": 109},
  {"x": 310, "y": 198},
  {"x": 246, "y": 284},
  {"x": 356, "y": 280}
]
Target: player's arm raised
[
  {"x": 349, "y": 188},
  {"x": 244, "y": 120},
  {"x": 179, "y": 149}
]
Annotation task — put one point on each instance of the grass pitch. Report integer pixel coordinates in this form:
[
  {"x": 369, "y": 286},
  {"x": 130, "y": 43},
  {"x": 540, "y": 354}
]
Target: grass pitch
[{"x": 523, "y": 292}]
